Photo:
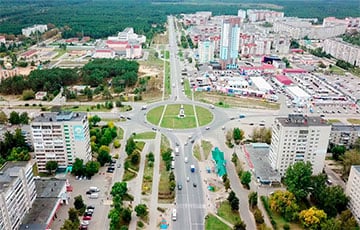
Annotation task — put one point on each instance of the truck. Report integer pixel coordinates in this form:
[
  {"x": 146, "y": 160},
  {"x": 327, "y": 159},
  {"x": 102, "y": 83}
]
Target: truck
[
  {"x": 173, "y": 215},
  {"x": 241, "y": 116},
  {"x": 177, "y": 152},
  {"x": 94, "y": 195},
  {"x": 192, "y": 168}
]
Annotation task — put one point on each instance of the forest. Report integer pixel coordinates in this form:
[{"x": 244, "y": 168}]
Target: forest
[{"x": 99, "y": 18}]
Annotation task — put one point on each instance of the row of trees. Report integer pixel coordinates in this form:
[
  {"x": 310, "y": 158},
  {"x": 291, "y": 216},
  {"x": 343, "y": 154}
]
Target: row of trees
[
  {"x": 89, "y": 169},
  {"x": 15, "y": 118},
  {"x": 73, "y": 222},
  {"x": 119, "y": 215},
  {"x": 329, "y": 201}
]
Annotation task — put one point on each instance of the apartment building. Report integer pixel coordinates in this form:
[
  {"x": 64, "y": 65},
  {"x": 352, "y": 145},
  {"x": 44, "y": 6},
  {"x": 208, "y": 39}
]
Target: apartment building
[
  {"x": 351, "y": 23},
  {"x": 342, "y": 50},
  {"x": 229, "y": 43},
  {"x": 299, "y": 138},
  {"x": 199, "y": 18},
  {"x": 345, "y": 135},
  {"x": 353, "y": 191},
  {"x": 61, "y": 137},
  {"x": 263, "y": 15},
  {"x": 35, "y": 28},
  {"x": 206, "y": 51},
  {"x": 299, "y": 28},
  {"x": 17, "y": 193}
]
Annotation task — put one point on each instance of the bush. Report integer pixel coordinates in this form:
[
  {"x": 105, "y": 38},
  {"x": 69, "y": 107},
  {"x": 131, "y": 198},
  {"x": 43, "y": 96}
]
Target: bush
[
  {"x": 259, "y": 219},
  {"x": 28, "y": 94},
  {"x": 286, "y": 227},
  {"x": 140, "y": 224},
  {"x": 116, "y": 144}
]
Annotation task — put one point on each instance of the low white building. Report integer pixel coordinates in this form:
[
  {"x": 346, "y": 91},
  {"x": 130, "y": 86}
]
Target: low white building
[
  {"x": 35, "y": 28},
  {"x": 261, "y": 84},
  {"x": 104, "y": 53},
  {"x": 300, "y": 97},
  {"x": 353, "y": 191},
  {"x": 17, "y": 193}
]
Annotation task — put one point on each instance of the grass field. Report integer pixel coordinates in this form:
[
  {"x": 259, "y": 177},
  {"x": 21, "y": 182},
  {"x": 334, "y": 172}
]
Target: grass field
[
  {"x": 145, "y": 135},
  {"x": 187, "y": 88},
  {"x": 147, "y": 178},
  {"x": 213, "y": 223},
  {"x": 225, "y": 212},
  {"x": 333, "y": 121},
  {"x": 140, "y": 145},
  {"x": 85, "y": 108},
  {"x": 196, "y": 152},
  {"x": 206, "y": 146},
  {"x": 164, "y": 175},
  {"x": 336, "y": 70},
  {"x": 354, "y": 121},
  {"x": 167, "y": 79},
  {"x": 154, "y": 115},
  {"x": 204, "y": 116}
]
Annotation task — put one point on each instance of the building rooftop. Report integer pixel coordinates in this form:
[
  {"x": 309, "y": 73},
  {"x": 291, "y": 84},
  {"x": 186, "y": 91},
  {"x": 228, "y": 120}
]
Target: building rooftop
[
  {"x": 49, "y": 188},
  {"x": 9, "y": 172},
  {"x": 297, "y": 120},
  {"x": 357, "y": 167},
  {"x": 60, "y": 116},
  {"x": 345, "y": 128},
  {"x": 39, "y": 214},
  {"x": 259, "y": 157}
]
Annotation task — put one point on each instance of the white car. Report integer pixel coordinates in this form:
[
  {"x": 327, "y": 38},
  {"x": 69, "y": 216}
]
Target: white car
[
  {"x": 186, "y": 160},
  {"x": 187, "y": 179}
]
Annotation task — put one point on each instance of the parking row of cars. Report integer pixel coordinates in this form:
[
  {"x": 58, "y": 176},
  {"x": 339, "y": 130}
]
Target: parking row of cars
[{"x": 87, "y": 217}]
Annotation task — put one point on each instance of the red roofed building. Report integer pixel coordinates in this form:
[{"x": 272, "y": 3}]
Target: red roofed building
[
  {"x": 283, "y": 80},
  {"x": 104, "y": 53},
  {"x": 117, "y": 45},
  {"x": 285, "y": 71},
  {"x": 297, "y": 51},
  {"x": 28, "y": 54}
]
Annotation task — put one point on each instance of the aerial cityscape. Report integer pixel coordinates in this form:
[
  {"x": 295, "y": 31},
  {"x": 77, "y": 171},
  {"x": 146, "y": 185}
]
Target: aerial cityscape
[{"x": 179, "y": 114}]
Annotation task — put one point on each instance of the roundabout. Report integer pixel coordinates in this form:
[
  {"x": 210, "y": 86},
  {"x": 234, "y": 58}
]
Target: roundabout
[{"x": 179, "y": 116}]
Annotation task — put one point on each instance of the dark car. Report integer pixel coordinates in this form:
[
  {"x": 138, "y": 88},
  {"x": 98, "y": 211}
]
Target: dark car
[
  {"x": 194, "y": 185},
  {"x": 88, "y": 213},
  {"x": 90, "y": 207},
  {"x": 179, "y": 186},
  {"x": 129, "y": 118},
  {"x": 110, "y": 170}
]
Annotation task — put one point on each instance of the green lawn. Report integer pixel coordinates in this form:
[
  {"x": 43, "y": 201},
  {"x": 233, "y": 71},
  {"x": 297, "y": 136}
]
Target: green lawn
[
  {"x": 225, "y": 212},
  {"x": 140, "y": 145},
  {"x": 154, "y": 115},
  {"x": 120, "y": 133},
  {"x": 336, "y": 70},
  {"x": 187, "y": 88},
  {"x": 125, "y": 108},
  {"x": 128, "y": 175},
  {"x": 206, "y": 146},
  {"x": 167, "y": 79},
  {"x": 213, "y": 223},
  {"x": 196, "y": 152},
  {"x": 204, "y": 116},
  {"x": 147, "y": 178},
  {"x": 145, "y": 135},
  {"x": 174, "y": 122},
  {"x": 85, "y": 108},
  {"x": 354, "y": 121},
  {"x": 333, "y": 121}
]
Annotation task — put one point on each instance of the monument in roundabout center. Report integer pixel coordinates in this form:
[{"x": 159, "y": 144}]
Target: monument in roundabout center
[{"x": 181, "y": 112}]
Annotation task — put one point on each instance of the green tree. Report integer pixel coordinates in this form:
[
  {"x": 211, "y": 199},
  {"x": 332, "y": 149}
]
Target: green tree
[
  {"x": 24, "y": 118},
  {"x": 351, "y": 157},
  {"x": 284, "y": 203},
  {"x": 104, "y": 155},
  {"x": 234, "y": 204},
  {"x": 333, "y": 200},
  {"x": 331, "y": 224},
  {"x": 238, "y": 135},
  {"x": 3, "y": 118},
  {"x": 298, "y": 179},
  {"x": 141, "y": 210},
  {"x": 130, "y": 146},
  {"x": 338, "y": 151},
  {"x": 78, "y": 167},
  {"x": 69, "y": 225},
  {"x": 253, "y": 199},
  {"x": 94, "y": 120},
  {"x": 51, "y": 166},
  {"x": 114, "y": 216},
  {"x": 239, "y": 226},
  {"x": 119, "y": 189},
  {"x": 73, "y": 216},
  {"x": 135, "y": 158},
  {"x": 78, "y": 202},
  {"x": 246, "y": 178},
  {"x": 28, "y": 94},
  {"x": 91, "y": 168},
  {"x": 126, "y": 215},
  {"x": 318, "y": 185},
  {"x": 347, "y": 220},
  {"x": 14, "y": 118}
]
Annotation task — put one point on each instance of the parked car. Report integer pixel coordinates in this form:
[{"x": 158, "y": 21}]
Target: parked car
[
  {"x": 87, "y": 218},
  {"x": 179, "y": 186},
  {"x": 194, "y": 185},
  {"x": 89, "y": 192},
  {"x": 88, "y": 213},
  {"x": 90, "y": 207}
]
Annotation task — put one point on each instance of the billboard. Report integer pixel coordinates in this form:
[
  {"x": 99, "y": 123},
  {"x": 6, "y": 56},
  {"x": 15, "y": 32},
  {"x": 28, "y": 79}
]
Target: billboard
[{"x": 78, "y": 133}]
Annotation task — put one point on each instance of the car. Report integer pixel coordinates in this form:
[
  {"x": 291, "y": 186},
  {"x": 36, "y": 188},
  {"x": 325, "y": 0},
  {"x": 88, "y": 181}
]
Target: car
[
  {"x": 89, "y": 192},
  {"x": 232, "y": 118},
  {"x": 119, "y": 166},
  {"x": 192, "y": 141},
  {"x": 194, "y": 185},
  {"x": 185, "y": 143},
  {"x": 261, "y": 124},
  {"x": 251, "y": 124},
  {"x": 187, "y": 179},
  {"x": 88, "y": 213},
  {"x": 207, "y": 128},
  {"x": 110, "y": 170},
  {"x": 186, "y": 160},
  {"x": 85, "y": 222},
  {"x": 154, "y": 128},
  {"x": 129, "y": 118},
  {"x": 223, "y": 128},
  {"x": 90, "y": 207},
  {"x": 87, "y": 218},
  {"x": 322, "y": 115},
  {"x": 179, "y": 186},
  {"x": 83, "y": 227}
]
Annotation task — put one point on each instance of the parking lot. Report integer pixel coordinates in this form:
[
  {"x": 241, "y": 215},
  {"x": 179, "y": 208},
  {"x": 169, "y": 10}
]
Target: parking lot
[{"x": 102, "y": 180}]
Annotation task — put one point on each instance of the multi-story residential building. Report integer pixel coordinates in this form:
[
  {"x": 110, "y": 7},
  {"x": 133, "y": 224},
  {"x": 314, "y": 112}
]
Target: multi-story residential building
[
  {"x": 17, "y": 193},
  {"x": 229, "y": 44},
  {"x": 61, "y": 137},
  {"x": 263, "y": 15},
  {"x": 206, "y": 51},
  {"x": 199, "y": 18},
  {"x": 35, "y": 28},
  {"x": 353, "y": 191},
  {"x": 345, "y": 135},
  {"x": 351, "y": 23},
  {"x": 299, "y": 138},
  {"x": 342, "y": 50},
  {"x": 299, "y": 28},
  {"x": 242, "y": 14}
]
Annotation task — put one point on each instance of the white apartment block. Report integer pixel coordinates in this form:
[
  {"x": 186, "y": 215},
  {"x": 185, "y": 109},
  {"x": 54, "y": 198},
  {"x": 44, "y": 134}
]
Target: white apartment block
[
  {"x": 242, "y": 14},
  {"x": 35, "y": 28},
  {"x": 342, "y": 50},
  {"x": 128, "y": 35},
  {"x": 17, "y": 193},
  {"x": 351, "y": 23},
  {"x": 299, "y": 28},
  {"x": 345, "y": 135},
  {"x": 61, "y": 137},
  {"x": 263, "y": 15},
  {"x": 353, "y": 191},
  {"x": 206, "y": 51},
  {"x": 299, "y": 138}
]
